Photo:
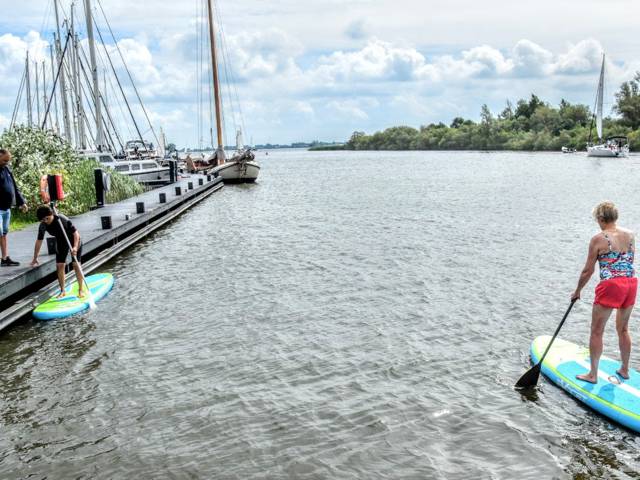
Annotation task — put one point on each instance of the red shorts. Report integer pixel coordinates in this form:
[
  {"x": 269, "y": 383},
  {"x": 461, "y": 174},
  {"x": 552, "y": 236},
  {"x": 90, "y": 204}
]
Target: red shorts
[{"x": 618, "y": 292}]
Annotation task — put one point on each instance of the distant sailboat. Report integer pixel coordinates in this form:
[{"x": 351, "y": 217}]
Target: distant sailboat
[{"x": 617, "y": 146}]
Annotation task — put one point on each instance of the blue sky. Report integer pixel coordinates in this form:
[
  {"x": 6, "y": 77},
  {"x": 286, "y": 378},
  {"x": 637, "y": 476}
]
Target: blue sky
[{"x": 320, "y": 69}]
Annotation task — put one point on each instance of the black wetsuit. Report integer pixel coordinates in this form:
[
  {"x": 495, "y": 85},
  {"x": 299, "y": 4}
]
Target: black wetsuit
[{"x": 62, "y": 248}]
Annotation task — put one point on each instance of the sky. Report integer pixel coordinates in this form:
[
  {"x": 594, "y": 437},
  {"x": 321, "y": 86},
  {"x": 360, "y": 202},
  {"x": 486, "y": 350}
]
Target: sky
[{"x": 322, "y": 69}]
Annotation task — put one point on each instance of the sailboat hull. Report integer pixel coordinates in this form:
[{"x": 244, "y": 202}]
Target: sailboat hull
[
  {"x": 238, "y": 172},
  {"x": 606, "y": 152}
]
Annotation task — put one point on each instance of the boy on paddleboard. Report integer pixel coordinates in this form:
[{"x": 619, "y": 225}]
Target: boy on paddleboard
[
  {"x": 53, "y": 225},
  {"x": 614, "y": 249}
]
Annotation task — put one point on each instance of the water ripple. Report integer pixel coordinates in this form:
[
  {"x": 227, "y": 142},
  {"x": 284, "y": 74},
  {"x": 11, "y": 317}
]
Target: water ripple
[{"x": 318, "y": 325}]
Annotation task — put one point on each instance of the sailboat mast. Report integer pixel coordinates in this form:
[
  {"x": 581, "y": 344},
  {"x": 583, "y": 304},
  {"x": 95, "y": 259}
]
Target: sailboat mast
[
  {"x": 216, "y": 85},
  {"x": 63, "y": 83},
  {"x": 100, "y": 143},
  {"x": 28, "y": 81},
  {"x": 599, "y": 100}
]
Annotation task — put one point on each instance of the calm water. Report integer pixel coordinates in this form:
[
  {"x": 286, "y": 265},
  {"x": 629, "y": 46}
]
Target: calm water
[{"x": 353, "y": 315}]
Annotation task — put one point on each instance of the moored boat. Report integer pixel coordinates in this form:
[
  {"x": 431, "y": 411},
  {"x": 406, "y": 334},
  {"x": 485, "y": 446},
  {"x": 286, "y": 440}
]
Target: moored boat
[
  {"x": 241, "y": 167},
  {"x": 615, "y": 146}
]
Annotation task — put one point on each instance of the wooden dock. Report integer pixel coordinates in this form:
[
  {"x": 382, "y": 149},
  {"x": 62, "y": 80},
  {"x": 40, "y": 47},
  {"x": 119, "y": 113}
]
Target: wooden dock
[{"x": 23, "y": 287}]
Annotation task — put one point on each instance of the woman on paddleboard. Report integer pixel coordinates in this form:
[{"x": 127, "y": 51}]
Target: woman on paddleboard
[{"x": 613, "y": 248}]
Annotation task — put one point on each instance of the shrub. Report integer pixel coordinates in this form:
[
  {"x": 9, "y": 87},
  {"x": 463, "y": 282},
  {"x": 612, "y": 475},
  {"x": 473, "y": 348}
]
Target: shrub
[{"x": 38, "y": 152}]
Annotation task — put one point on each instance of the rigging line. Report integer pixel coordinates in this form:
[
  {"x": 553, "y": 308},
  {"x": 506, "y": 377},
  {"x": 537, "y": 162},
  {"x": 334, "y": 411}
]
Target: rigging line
[
  {"x": 16, "y": 107},
  {"x": 127, "y": 69},
  {"x": 120, "y": 85},
  {"x": 201, "y": 67},
  {"x": 225, "y": 53},
  {"x": 53, "y": 89},
  {"x": 210, "y": 102},
  {"x": 224, "y": 64},
  {"x": 197, "y": 76},
  {"x": 89, "y": 102},
  {"x": 115, "y": 98},
  {"x": 206, "y": 70},
  {"x": 105, "y": 68},
  {"x": 124, "y": 117},
  {"x": 45, "y": 18}
]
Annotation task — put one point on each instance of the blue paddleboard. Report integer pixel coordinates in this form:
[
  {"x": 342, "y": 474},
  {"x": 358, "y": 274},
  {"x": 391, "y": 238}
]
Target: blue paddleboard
[
  {"x": 613, "y": 396},
  {"x": 99, "y": 284}
]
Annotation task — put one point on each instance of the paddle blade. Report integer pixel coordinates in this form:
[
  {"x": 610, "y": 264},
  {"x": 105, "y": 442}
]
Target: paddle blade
[
  {"x": 530, "y": 378},
  {"x": 92, "y": 303}
]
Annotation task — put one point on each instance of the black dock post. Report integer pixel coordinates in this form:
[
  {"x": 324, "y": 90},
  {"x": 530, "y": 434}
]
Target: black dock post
[
  {"x": 101, "y": 180},
  {"x": 163, "y": 198},
  {"x": 190, "y": 185},
  {"x": 139, "y": 207},
  {"x": 208, "y": 178},
  {"x": 178, "y": 191},
  {"x": 51, "y": 245},
  {"x": 201, "y": 181},
  {"x": 106, "y": 222},
  {"x": 173, "y": 171}
]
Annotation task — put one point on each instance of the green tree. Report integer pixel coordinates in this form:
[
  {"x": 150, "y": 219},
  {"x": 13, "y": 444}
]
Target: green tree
[
  {"x": 352, "y": 143},
  {"x": 507, "y": 113},
  {"x": 457, "y": 122},
  {"x": 546, "y": 118},
  {"x": 526, "y": 109},
  {"x": 628, "y": 102},
  {"x": 572, "y": 116}
]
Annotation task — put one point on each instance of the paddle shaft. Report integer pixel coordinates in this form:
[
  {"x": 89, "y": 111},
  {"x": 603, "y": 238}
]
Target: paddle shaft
[
  {"x": 557, "y": 331},
  {"x": 73, "y": 257}
]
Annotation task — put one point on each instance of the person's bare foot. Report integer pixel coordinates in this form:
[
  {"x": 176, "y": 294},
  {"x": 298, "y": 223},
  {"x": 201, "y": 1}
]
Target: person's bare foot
[
  {"x": 587, "y": 377},
  {"x": 62, "y": 294},
  {"x": 81, "y": 294},
  {"x": 623, "y": 373}
]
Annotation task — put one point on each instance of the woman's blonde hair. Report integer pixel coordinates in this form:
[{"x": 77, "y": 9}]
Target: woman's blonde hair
[{"x": 606, "y": 211}]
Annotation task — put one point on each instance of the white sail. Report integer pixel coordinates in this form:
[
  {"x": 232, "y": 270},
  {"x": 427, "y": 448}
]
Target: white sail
[
  {"x": 239, "y": 140},
  {"x": 162, "y": 147},
  {"x": 599, "y": 101}
]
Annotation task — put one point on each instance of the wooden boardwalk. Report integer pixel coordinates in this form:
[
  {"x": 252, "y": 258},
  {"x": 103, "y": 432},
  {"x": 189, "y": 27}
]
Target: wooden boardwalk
[{"x": 18, "y": 282}]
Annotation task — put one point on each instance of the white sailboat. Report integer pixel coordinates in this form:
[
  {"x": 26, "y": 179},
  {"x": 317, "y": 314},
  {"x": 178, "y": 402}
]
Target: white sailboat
[
  {"x": 241, "y": 167},
  {"x": 617, "y": 146}
]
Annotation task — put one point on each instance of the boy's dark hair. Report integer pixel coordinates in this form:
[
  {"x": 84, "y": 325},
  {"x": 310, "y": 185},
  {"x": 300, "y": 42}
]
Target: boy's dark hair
[
  {"x": 3, "y": 151},
  {"x": 43, "y": 211}
]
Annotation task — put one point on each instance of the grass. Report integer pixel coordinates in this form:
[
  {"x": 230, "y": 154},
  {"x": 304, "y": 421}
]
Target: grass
[{"x": 18, "y": 223}]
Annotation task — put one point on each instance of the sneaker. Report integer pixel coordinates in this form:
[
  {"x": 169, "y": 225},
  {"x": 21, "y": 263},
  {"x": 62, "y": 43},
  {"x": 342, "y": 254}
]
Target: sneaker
[{"x": 7, "y": 262}]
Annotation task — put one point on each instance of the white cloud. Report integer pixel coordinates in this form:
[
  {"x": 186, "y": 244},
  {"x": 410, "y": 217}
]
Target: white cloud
[
  {"x": 378, "y": 60},
  {"x": 530, "y": 59},
  {"x": 584, "y": 57},
  {"x": 348, "y": 109},
  {"x": 304, "y": 107}
]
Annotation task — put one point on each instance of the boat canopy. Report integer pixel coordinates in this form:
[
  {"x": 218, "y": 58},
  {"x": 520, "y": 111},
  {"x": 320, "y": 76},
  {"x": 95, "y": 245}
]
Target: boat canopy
[{"x": 619, "y": 137}]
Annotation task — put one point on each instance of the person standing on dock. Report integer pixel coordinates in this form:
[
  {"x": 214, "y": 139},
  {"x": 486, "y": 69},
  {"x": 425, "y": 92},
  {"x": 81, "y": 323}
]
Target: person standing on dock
[
  {"x": 9, "y": 196},
  {"x": 614, "y": 249},
  {"x": 52, "y": 224}
]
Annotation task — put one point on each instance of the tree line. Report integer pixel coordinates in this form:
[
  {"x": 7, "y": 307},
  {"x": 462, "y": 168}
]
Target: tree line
[{"x": 530, "y": 124}]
